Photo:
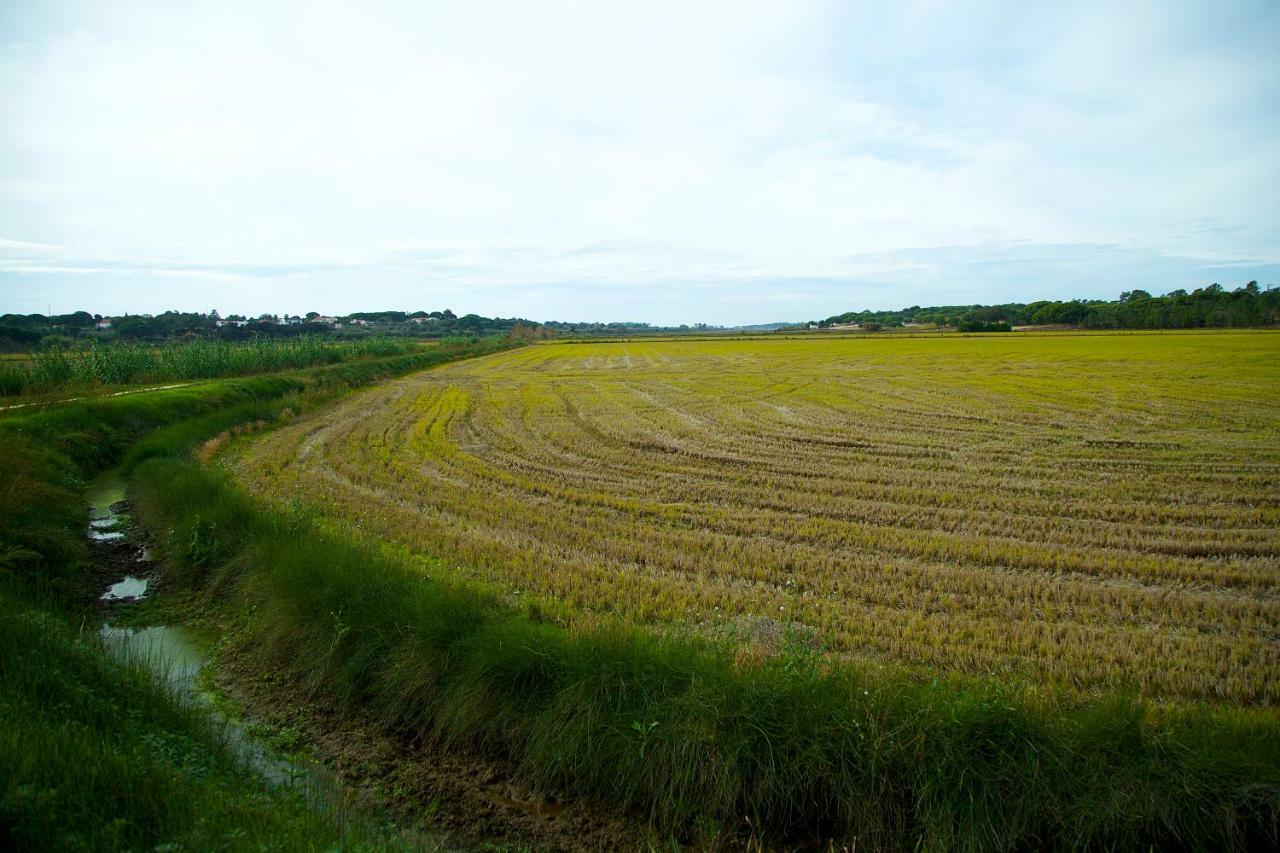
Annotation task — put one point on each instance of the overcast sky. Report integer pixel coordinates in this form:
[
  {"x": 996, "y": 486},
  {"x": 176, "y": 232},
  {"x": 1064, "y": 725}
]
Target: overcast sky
[{"x": 723, "y": 162}]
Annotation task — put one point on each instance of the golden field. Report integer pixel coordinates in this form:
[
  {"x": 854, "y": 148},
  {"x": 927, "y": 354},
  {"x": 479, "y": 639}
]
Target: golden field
[{"x": 1094, "y": 511}]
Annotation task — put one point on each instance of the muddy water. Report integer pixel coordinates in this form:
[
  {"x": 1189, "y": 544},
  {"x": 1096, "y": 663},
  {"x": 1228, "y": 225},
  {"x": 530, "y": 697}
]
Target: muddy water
[
  {"x": 129, "y": 589},
  {"x": 175, "y": 654},
  {"x": 103, "y": 493}
]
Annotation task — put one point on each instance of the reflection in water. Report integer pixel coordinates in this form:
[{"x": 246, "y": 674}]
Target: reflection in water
[
  {"x": 176, "y": 654},
  {"x": 103, "y": 493},
  {"x": 129, "y": 589}
]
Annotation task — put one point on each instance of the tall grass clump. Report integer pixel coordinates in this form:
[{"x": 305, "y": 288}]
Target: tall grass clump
[
  {"x": 53, "y": 368},
  {"x": 688, "y": 735},
  {"x": 42, "y": 516}
]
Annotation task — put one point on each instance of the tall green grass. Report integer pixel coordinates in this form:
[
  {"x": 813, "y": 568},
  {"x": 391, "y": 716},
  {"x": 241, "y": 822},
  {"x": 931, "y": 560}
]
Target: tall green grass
[
  {"x": 680, "y": 732},
  {"x": 53, "y": 369}
]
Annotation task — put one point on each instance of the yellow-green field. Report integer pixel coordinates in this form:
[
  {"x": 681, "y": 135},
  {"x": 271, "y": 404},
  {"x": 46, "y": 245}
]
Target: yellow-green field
[{"x": 1094, "y": 511}]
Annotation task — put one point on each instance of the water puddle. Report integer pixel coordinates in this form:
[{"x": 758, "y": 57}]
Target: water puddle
[
  {"x": 107, "y": 523},
  {"x": 176, "y": 655},
  {"x": 103, "y": 494},
  {"x": 98, "y": 534},
  {"x": 129, "y": 589}
]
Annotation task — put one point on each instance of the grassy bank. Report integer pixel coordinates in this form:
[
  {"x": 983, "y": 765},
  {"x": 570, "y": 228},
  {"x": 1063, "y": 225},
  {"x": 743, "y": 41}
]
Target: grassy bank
[
  {"x": 93, "y": 753},
  {"x": 683, "y": 734}
]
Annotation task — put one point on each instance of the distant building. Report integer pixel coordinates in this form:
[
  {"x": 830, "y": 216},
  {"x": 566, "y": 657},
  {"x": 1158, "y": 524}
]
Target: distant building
[{"x": 104, "y": 323}]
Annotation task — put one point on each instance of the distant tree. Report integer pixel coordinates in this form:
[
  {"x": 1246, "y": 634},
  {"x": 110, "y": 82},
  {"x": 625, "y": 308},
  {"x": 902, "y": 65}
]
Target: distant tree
[
  {"x": 78, "y": 320},
  {"x": 521, "y": 332},
  {"x": 56, "y": 342}
]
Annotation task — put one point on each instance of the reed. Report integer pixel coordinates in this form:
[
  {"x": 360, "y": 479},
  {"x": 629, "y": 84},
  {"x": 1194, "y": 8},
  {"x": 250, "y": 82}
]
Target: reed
[{"x": 56, "y": 369}]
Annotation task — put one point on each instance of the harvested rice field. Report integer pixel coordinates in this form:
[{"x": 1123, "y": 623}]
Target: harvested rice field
[{"x": 1094, "y": 512}]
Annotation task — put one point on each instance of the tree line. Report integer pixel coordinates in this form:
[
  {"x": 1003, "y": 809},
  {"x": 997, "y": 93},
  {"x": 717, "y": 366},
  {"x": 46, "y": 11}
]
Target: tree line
[{"x": 1208, "y": 307}]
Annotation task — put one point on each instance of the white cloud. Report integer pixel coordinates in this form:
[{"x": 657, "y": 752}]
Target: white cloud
[{"x": 311, "y": 146}]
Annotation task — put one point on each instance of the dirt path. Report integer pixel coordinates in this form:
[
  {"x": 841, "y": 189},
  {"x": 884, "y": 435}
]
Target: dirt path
[{"x": 95, "y": 396}]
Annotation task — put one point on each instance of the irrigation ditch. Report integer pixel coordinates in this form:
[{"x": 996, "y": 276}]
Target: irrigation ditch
[
  {"x": 343, "y": 765},
  {"x": 175, "y": 653}
]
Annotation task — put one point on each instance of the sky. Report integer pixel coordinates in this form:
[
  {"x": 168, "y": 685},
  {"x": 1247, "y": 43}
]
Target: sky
[{"x": 666, "y": 162}]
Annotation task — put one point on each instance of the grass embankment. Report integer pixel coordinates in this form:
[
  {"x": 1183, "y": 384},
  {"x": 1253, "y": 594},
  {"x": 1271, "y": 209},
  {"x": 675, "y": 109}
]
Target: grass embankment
[
  {"x": 57, "y": 369},
  {"x": 94, "y": 754},
  {"x": 683, "y": 733}
]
